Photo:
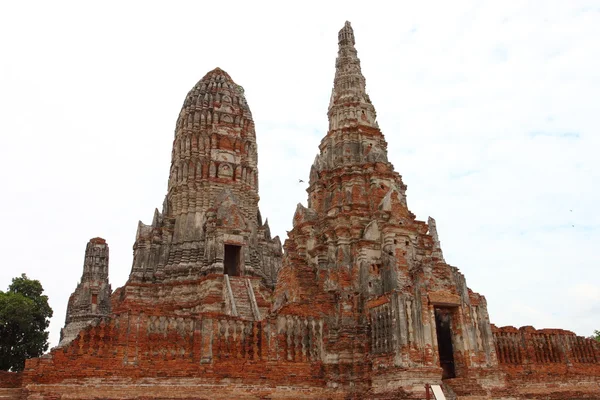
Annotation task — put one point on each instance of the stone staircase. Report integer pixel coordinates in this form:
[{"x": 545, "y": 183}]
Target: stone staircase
[
  {"x": 448, "y": 392},
  {"x": 465, "y": 388},
  {"x": 10, "y": 394},
  {"x": 242, "y": 297}
]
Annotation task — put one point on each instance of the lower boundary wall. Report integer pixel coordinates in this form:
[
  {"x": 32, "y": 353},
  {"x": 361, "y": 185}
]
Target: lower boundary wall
[
  {"x": 287, "y": 361},
  {"x": 490, "y": 386}
]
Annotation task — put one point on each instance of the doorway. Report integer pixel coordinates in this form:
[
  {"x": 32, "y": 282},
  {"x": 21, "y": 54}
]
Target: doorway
[
  {"x": 443, "y": 328},
  {"x": 231, "y": 261}
]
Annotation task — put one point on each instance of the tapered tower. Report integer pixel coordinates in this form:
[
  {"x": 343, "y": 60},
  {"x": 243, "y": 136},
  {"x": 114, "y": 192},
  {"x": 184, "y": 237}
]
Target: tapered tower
[
  {"x": 210, "y": 230},
  {"x": 353, "y": 191},
  {"x": 91, "y": 299},
  {"x": 357, "y": 256}
]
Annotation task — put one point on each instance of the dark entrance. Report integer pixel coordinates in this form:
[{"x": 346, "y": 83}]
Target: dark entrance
[
  {"x": 443, "y": 328},
  {"x": 231, "y": 261}
]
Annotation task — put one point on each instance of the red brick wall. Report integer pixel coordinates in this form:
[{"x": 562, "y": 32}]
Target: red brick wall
[
  {"x": 544, "y": 349},
  {"x": 10, "y": 379}
]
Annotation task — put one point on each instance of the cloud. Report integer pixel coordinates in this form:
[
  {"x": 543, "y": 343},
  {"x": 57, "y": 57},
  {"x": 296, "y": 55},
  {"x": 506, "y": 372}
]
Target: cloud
[
  {"x": 584, "y": 293},
  {"x": 563, "y": 135}
]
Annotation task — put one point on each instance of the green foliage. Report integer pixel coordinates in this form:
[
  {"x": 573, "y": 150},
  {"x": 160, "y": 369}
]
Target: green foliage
[
  {"x": 596, "y": 335},
  {"x": 24, "y": 317}
]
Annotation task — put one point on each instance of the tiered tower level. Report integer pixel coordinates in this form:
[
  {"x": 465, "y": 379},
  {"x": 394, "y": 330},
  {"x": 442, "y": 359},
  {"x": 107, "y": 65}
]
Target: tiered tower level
[{"x": 364, "y": 305}]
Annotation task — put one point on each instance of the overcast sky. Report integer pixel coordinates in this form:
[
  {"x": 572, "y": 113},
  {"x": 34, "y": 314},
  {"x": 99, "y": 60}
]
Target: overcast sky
[{"x": 491, "y": 111}]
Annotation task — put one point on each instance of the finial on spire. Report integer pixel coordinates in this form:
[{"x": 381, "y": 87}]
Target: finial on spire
[
  {"x": 346, "y": 35},
  {"x": 350, "y": 103}
]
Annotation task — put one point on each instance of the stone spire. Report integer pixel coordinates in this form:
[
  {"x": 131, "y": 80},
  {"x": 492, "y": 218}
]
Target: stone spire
[
  {"x": 350, "y": 104},
  {"x": 437, "y": 248},
  {"x": 91, "y": 299},
  {"x": 211, "y": 206},
  {"x": 353, "y": 141},
  {"x": 354, "y": 195},
  {"x": 357, "y": 256}
]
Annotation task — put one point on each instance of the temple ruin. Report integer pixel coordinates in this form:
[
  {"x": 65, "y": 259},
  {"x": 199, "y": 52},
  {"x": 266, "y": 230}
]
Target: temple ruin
[{"x": 359, "y": 303}]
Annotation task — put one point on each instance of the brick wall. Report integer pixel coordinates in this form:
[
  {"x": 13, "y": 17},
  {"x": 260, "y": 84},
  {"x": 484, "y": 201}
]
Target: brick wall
[
  {"x": 544, "y": 348},
  {"x": 10, "y": 379}
]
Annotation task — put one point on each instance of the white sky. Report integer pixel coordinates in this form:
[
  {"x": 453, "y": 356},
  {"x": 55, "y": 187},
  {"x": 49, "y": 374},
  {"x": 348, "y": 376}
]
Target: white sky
[{"x": 490, "y": 109}]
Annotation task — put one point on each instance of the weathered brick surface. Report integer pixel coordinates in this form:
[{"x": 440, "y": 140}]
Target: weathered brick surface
[
  {"x": 542, "y": 348},
  {"x": 10, "y": 393},
  {"x": 364, "y": 306},
  {"x": 10, "y": 379}
]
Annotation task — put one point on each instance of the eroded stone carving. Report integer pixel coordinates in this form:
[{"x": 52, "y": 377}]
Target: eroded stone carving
[{"x": 90, "y": 301}]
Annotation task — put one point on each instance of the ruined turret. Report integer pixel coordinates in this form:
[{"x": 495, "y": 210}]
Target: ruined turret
[
  {"x": 91, "y": 299},
  {"x": 210, "y": 230}
]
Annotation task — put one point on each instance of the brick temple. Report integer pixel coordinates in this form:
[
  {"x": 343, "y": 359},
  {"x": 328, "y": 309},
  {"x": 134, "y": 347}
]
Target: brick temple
[{"x": 358, "y": 304}]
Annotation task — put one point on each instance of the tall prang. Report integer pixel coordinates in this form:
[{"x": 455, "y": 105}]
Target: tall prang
[
  {"x": 91, "y": 299},
  {"x": 353, "y": 192},
  {"x": 358, "y": 256},
  {"x": 210, "y": 231}
]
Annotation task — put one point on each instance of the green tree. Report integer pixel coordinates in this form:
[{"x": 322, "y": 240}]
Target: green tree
[
  {"x": 596, "y": 335},
  {"x": 24, "y": 317}
]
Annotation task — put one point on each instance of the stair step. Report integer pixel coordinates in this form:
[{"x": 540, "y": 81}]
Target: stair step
[
  {"x": 240, "y": 296},
  {"x": 465, "y": 387}
]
